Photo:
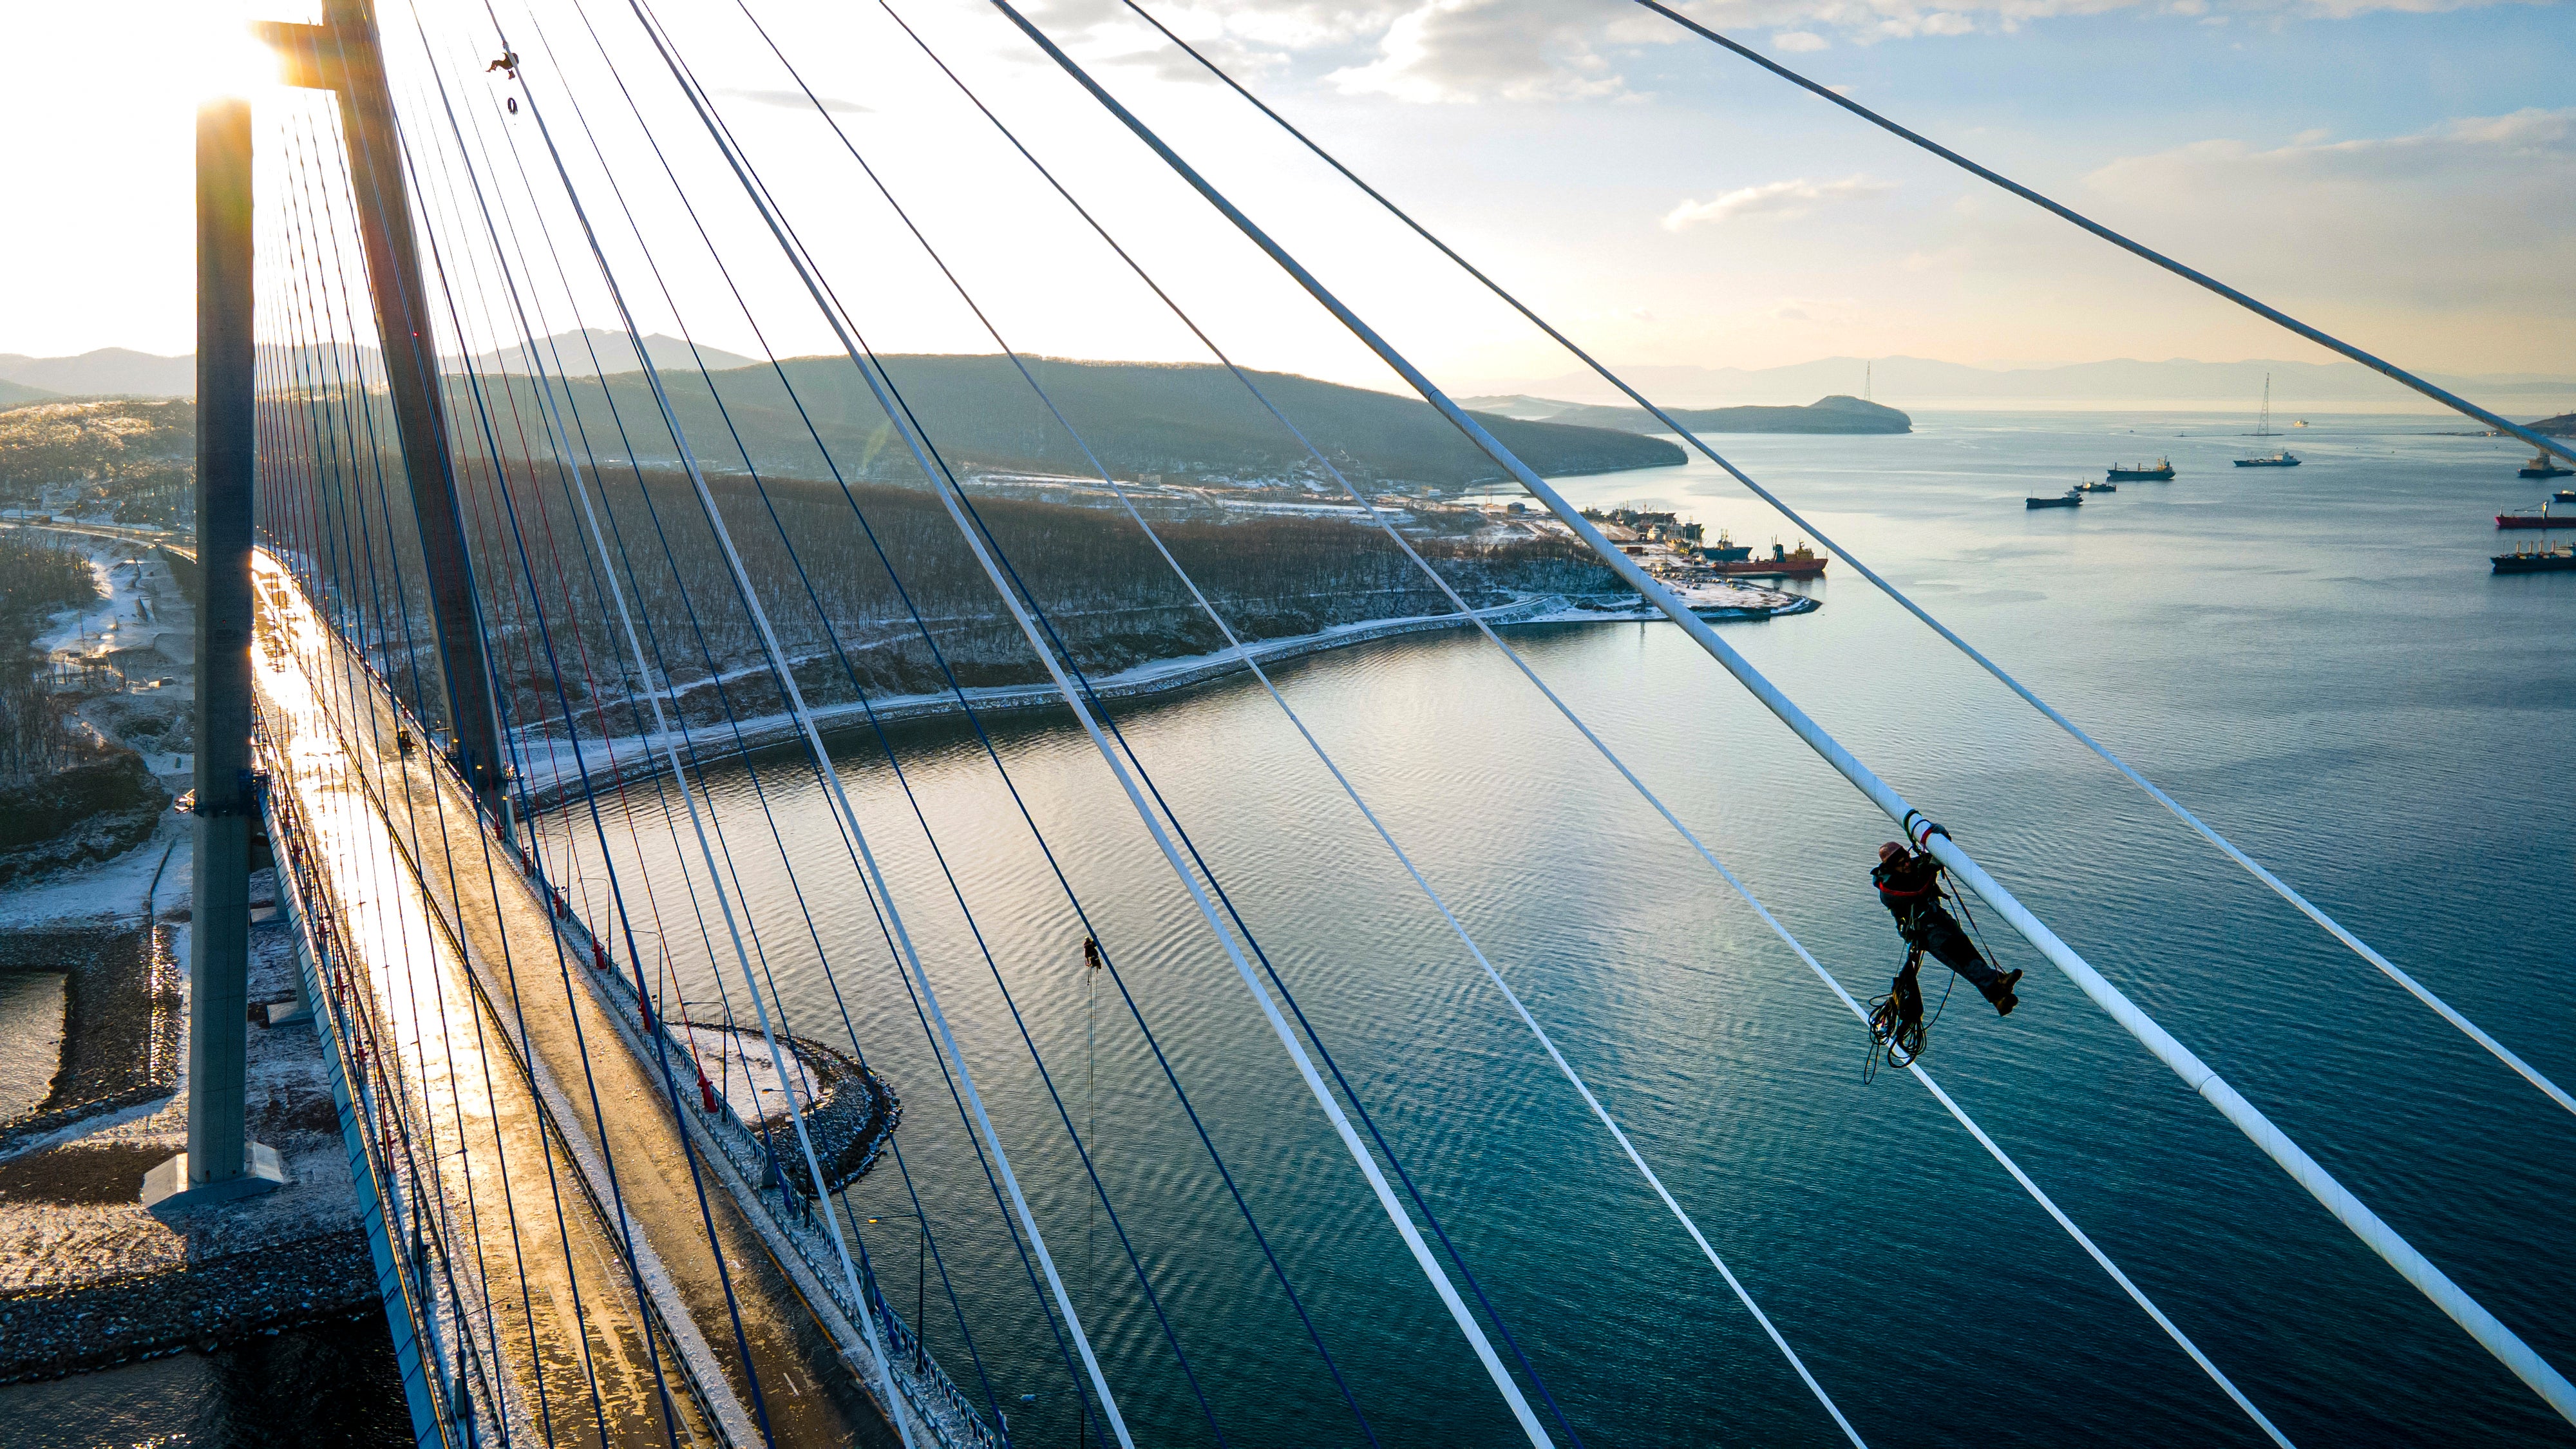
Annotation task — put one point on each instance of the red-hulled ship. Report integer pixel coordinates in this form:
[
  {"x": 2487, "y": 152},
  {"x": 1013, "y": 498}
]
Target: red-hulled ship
[
  {"x": 1801, "y": 563},
  {"x": 2543, "y": 519}
]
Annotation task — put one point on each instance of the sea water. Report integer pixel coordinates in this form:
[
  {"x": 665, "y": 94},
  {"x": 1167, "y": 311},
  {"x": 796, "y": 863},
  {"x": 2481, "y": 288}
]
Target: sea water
[{"x": 2317, "y": 660}]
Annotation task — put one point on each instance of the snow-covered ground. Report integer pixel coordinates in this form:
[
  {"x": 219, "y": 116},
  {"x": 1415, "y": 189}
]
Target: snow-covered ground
[
  {"x": 111, "y": 888},
  {"x": 739, "y": 1065}
]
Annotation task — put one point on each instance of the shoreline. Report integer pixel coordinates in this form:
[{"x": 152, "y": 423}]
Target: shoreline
[{"x": 629, "y": 758}]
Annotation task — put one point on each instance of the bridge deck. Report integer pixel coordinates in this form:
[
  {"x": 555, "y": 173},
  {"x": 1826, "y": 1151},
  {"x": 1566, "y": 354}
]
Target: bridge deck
[{"x": 493, "y": 1028}]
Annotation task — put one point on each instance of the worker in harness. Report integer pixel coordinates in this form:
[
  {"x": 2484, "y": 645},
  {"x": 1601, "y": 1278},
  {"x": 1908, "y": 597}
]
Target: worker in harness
[{"x": 1909, "y": 883}]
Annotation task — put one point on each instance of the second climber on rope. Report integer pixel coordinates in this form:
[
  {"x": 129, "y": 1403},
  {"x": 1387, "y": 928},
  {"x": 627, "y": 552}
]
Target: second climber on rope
[{"x": 1909, "y": 883}]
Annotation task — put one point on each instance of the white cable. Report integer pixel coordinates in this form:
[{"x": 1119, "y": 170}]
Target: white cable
[
  {"x": 897, "y": 1407},
  {"x": 1359, "y": 1153},
  {"x": 2279, "y": 887},
  {"x": 2391, "y": 1246}
]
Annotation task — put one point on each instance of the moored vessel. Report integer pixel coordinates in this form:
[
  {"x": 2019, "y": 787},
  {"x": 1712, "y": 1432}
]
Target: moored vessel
[
  {"x": 2561, "y": 559},
  {"x": 1800, "y": 563},
  {"x": 2543, "y": 519},
  {"x": 2544, "y": 466}
]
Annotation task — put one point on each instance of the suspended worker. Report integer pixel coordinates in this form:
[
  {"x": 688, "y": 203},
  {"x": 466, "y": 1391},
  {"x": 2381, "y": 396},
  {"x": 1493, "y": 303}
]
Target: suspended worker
[{"x": 1909, "y": 882}]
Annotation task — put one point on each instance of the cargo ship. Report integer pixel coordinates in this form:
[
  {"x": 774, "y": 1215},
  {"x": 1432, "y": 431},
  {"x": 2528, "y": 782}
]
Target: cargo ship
[
  {"x": 2561, "y": 559},
  {"x": 1801, "y": 563},
  {"x": 2141, "y": 473},
  {"x": 2068, "y": 499},
  {"x": 2544, "y": 466},
  {"x": 2543, "y": 519},
  {"x": 2097, "y": 487},
  {"x": 2282, "y": 459},
  {"x": 1726, "y": 550}
]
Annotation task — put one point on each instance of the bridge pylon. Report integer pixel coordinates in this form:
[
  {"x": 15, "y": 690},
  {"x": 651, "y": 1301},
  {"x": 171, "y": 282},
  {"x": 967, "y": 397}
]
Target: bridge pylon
[
  {"x": 343, "y": 55},
  {"x": 221, "y": 1163}
]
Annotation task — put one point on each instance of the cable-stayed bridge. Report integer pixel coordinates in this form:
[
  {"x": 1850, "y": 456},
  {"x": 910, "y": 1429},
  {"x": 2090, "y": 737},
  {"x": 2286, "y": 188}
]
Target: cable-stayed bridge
[{"x": 500, "y": 621}]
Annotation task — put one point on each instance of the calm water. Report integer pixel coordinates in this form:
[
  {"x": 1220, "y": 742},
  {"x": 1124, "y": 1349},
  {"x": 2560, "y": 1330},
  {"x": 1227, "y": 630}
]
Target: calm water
[{"x": 2317, "y": 659}]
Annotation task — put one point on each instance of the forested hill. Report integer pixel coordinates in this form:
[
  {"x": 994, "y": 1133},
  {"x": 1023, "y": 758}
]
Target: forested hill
[
  {"x": 1836, "y": 414},
  {"x": 1188, "y": 421}
]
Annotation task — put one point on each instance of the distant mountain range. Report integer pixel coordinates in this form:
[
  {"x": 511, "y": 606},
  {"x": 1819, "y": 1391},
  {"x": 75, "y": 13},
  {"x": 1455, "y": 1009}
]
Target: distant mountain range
[
  {"x": 1836, "y": 414},
  {"x": 108, "y": 370},
  {"x": 116, "y": 370},
  {"x": 591, "y": 352},
  {"x": 1921, "y": 382},
  {"x": 1912, "y": 382}
]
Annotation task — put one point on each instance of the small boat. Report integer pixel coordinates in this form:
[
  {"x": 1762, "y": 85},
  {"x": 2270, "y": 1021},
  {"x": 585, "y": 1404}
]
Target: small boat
[
  {"x": 2544, "y": 466},
  {"x": 2069, "y": 499},
  {"x": 1802, "y": 563},
  {"x": 2543, "y": 519},
  {"x": 2282, "y": 459},
  {"x": 1726, "y": 550},
  {"x": 2563, "y": 495},
  {"x": 2097, "y": 487},
  {"x": 2162, "y": 472},
  {"x": 2561, "y": 559}
]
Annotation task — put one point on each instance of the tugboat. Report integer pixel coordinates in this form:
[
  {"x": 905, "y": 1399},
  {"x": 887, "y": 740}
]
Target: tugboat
[
  {"x": 1782, "y": 564},
  {"x": 2561, "y": 559},
  {"x": 2141, "y": 473},
  {"x": 2282, "y": 459},
  {"x": 2563, "y": 495},
  {"x": 2071, "y": 498},
  {"x": 2543, "y": 466}
]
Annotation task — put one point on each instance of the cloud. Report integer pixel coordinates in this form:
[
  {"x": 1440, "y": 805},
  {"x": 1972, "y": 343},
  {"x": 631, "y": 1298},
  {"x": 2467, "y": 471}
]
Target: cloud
[
  {"x": 2379, "y": 218},
  {"x": 1456, "y": 51},
  {"x": 797, "y": 101},
  {"x": 1465, "y": 50},
  {"x": 1785, "y": 200}
]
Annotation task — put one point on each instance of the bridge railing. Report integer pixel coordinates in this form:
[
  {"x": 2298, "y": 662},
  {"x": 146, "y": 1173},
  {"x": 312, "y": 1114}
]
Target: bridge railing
[
  {"x": 934, "y": 1398},
  {"x": 787, "y": 1217},
  {"x": 370, "y": 1088}
]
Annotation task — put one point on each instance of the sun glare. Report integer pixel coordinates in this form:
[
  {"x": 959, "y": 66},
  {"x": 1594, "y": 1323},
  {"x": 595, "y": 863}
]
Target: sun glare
[{"x": 229, "y": 61}]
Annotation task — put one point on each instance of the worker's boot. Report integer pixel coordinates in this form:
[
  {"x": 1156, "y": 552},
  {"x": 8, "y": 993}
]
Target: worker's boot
[{"x": 2001, "y": 994}]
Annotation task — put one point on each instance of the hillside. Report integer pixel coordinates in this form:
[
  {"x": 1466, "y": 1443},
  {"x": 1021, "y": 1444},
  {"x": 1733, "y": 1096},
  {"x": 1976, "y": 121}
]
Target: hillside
[
  {"x": 127, "y": 459},
  {"x": 14, "y": 393},
  {"x": 1111, "y": 595},
  {"x": 1836, "y": 414},
  {"x": 1140, "y": 418}
]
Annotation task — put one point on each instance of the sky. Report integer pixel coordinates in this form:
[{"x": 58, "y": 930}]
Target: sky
[{"x": 2401, "y": 172}]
